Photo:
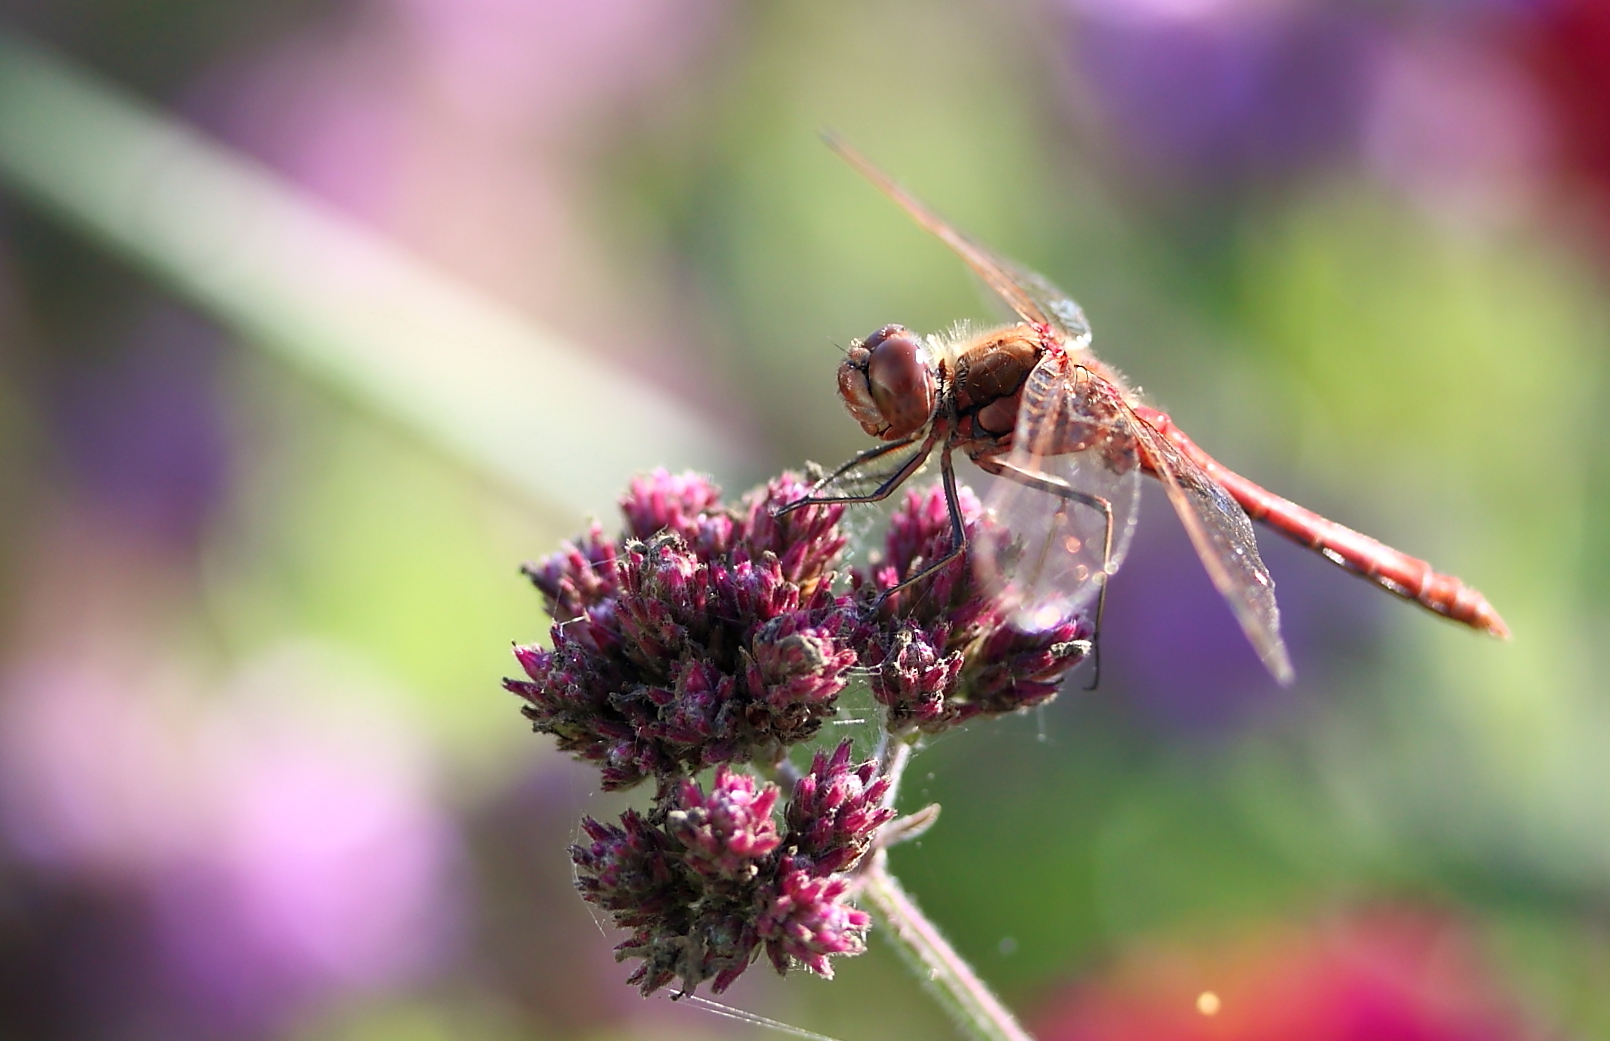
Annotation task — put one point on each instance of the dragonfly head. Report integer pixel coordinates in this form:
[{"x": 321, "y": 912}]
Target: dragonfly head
[{"x": 888, "y": 383}]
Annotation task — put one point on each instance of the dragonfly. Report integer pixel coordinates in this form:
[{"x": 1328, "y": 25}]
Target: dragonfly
[{"x": 1069, "y": 442}]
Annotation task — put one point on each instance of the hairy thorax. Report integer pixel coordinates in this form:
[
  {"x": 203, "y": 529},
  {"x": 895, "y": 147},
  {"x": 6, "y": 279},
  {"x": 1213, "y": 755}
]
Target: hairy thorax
[{"x": 988, "y": 372}]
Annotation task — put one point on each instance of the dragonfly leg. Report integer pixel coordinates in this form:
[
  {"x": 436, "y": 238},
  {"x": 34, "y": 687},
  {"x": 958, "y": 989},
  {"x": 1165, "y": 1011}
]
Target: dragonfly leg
[
  {"x": 958, "y": 528},
  {"x": 878, "y": 494},
  {"x": 1063, "y": 490}
]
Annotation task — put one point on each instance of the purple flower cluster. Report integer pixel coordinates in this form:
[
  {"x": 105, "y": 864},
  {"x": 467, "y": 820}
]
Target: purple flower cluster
[
  {"x": 710, "y": 636},
  {"x": 942, "y": 652},
  {"x": 703, "y": 636},
  {"x": 705, "y": 882}
]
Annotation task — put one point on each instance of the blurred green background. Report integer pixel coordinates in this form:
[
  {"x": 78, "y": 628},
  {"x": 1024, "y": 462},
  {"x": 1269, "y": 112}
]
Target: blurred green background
[{"x": 318, "y": 317}]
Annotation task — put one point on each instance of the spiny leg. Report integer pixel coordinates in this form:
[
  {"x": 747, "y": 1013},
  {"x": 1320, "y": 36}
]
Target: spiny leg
[
  {"x": 1063, "y": 490},
  {"x": 878, "y": 494}
]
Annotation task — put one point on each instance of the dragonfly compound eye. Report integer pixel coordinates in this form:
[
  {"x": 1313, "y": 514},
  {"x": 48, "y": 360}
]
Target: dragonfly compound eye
[{"x": 889, "y": 381}]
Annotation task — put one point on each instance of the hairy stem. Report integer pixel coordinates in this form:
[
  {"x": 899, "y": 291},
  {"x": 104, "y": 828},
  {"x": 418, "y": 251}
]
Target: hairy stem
[{"x": 944, "y": 972}]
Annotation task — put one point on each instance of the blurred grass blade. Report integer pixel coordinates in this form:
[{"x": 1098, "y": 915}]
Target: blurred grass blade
[{"x": 295, "y": 276}]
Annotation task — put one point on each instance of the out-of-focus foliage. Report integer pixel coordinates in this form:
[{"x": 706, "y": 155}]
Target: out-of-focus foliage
[{"x": 258, "y": 780}]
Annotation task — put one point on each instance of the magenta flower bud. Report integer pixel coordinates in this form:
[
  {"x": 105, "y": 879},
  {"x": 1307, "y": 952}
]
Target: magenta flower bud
[
  {"x": 629, "y": 869},
  {"x": 797, "y": 667},
  {"x": 695, "y": 714},
  {"x": 807, "y": 920},
  {"x": 664, "y": 591},
  {"x": 836, "y": 811},
  {"x": 1013, "y": 670},
  {"x": 728, "y": 832},
  {"x": 919, "y": 530},
  {"x": 581, "y": 575},
  {"x": 757, "y": 589},
  {"x": 661, "y": 501},
  {"x": 916, "y": 678},
  {"x": 946, "y": 653},
  {"x": 806, "y": 542}
]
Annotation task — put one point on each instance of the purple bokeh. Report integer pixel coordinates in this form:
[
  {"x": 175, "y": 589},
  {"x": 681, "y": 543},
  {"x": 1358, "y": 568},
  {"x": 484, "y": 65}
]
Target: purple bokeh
[
  {"x": 271, "y": 851},
  {"x": 535, "y": 941},
  {"x": 1171, "y": 646},
  {"x": 1216, "y": 92},
  {"x": 142, "y": 426}
]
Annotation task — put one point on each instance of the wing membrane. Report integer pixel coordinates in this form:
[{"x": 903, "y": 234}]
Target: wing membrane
[
  {"x": 1223, "y": 537},
  {"x": 1034, "y": 298},
  {"x": 1073, "y": 464}
]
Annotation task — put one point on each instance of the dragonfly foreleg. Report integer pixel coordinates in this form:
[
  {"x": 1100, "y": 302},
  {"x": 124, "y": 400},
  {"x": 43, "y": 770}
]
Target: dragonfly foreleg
[{"x": 878, "y": 494}]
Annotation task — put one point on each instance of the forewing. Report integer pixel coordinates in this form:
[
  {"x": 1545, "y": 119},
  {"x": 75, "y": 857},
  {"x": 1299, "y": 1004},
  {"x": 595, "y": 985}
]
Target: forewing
[
  {"x": 1059, "y": 309},
  {"x": 1065, "y": 500},
  {"x": 1222, "y": 534},
  {"x": 1034, "y": 298}
]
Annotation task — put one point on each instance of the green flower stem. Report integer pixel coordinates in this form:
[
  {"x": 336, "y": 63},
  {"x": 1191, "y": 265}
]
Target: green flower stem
[{"x": 945, "y": 973}]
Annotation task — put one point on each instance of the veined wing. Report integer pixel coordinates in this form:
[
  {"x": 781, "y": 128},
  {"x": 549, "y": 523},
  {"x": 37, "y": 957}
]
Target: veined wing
[
  {"x": 1222, "y": 534},
  {"x": 1034, "y": 299},
  {"x": 1065, "y": 496}
]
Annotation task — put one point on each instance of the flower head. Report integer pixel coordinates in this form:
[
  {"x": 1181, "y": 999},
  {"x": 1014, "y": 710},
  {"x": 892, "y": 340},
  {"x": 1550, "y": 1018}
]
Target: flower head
[
  {"x": 808, "y": 919},
  {"x": 943, "y": 651},
  {"x": 630, "y": 869},
  {"x": 710, "y": 639},
  {"x": 705, "y": 880},
  {"x": 729, "y": 831},
  {"x": 708, "y": 636}
]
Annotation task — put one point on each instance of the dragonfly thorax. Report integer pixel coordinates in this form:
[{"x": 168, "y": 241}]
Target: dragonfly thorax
[{"x": 889, "y": 384}]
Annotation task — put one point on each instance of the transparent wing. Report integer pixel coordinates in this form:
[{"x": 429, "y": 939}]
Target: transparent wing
[
  {"x": 1058, "y": 308},
  {"x": 1222, "y": 534},
  {"x": 1030, "y": 295},
  {"x": 1065, "y": 499}
]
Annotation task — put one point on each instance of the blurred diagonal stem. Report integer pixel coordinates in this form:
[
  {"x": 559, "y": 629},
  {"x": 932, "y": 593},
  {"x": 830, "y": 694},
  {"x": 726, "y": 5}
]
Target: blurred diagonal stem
[
  {"x": 293, "y": 275},
  {"x": 943, "y": 971}
]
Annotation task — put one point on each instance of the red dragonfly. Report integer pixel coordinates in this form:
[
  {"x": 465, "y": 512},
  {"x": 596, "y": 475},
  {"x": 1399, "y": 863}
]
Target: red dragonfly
[{"x": 1031, "y": 404}]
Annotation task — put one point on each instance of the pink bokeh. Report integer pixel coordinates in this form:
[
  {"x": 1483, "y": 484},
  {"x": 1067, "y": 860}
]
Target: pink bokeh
[{"x": 1391, "y": 973}]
